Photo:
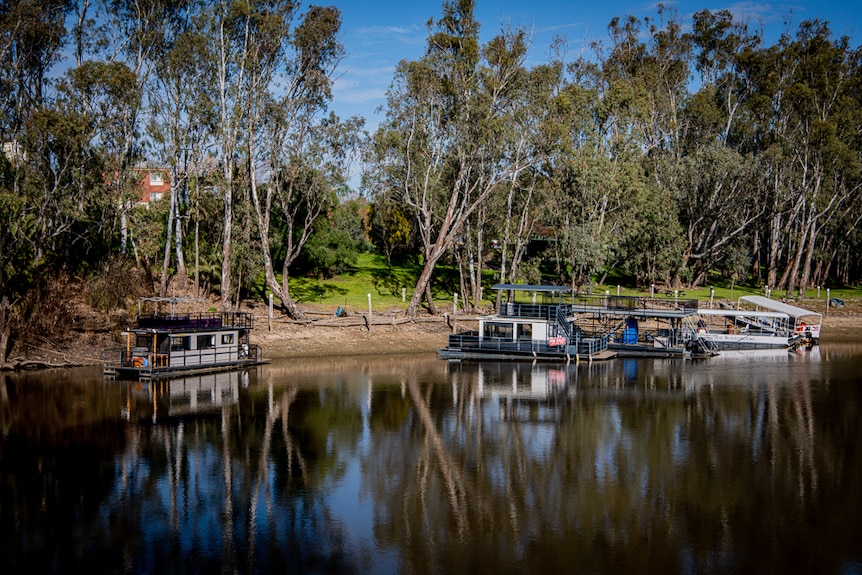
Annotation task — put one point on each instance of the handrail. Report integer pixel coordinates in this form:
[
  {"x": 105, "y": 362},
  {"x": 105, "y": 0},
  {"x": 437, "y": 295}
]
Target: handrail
[
  {"x": 219, "y": 356},
  {"x": 201, "y": 320}
]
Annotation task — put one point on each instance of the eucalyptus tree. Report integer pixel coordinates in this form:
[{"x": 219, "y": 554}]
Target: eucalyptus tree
[
  {"x": 718, "y": 203},
  {"x": 718, "y": 191},
  {"x": 761, "y": 131},
  {"x": 132, "y": 33},
  {"x": 227, "y": 30},
  {"x": 445, "y": 146},
  {"x": 181, "y": 120},
  {"x": 514, "y": 211},
  {"x": 839, "y": 230},
  {"x": 642, "y": 80},
  {"x": 304, "y": 157},
  {"x": 308, "y": 180},
  {"x": 548, "y": 101},
  {"x": 32, "y": 241},
  {"x": 823, "y": 152}
]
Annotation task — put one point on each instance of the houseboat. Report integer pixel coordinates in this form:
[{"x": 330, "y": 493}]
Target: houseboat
[
  {"x": 639, "y": 326},
  {"x": 804, "y": 325},
  {"x": 537, "y": 329},
  {"x": 757, "y": 322},
  {"x": 164, "y": 345}
]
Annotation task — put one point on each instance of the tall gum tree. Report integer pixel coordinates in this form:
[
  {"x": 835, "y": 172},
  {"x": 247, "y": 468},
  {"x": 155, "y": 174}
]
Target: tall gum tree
[
  {"x": 303, "y": 156},
  {"x": 443, "y": 149}
]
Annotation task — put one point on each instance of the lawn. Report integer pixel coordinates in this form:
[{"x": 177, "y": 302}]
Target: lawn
[{"x": 385, "y": 284}]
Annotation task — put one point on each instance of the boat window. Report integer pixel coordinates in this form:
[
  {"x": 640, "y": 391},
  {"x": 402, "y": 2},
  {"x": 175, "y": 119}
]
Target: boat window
[
  {"x": 206, "y": 341},
  {"x": 181, "y": 343},
  {"x": 143, "y": 341},
  {"x": 525, "y": 331},
  {"x": 499, "y": 330},
  {"x": 227, "y": 338}
]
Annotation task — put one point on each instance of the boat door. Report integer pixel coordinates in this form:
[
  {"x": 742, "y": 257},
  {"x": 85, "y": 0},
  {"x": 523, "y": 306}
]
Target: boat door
[{"x": 630, "y": 333}]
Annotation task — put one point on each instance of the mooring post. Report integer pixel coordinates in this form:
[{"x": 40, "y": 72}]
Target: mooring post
[
  {"x": 403, "y": 295},
  {"x": 828, "y": 300},
  {"x": 711, "y": 296},
  {"x": 369, "y": 312},
  {"x": 269, "y": 315},
  {"x": 454, "y": 304}
]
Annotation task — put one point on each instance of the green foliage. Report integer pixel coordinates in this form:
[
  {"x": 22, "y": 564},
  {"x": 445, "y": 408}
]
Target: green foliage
[
  {"x": 390, "y": 230},
  {"x": 335, "y": 242},
  {"x": 618, "y": 160}
]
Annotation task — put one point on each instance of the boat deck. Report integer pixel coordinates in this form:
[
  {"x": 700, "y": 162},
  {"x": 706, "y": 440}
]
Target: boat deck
[{"x": 149, "y": 373}]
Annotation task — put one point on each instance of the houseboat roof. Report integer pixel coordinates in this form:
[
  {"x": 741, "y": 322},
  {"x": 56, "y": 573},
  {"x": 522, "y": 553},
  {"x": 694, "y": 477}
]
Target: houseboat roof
[
  {"x": 771, "y": 304},
  {"x": 535, "y": 288},
  {"x": 741, "y": 313}
]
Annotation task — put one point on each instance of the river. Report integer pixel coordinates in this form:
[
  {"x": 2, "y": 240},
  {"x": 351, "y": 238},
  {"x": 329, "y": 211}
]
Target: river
[{"x": 744, "y": 463}]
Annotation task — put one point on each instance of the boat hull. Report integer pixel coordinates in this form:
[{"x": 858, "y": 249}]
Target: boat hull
[
  {"x": 744, "y": 342},
  {"x": 114, "y": 371}
]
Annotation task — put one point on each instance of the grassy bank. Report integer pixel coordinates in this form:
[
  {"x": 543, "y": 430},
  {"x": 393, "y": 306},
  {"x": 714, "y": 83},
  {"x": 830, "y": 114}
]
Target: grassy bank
[{"x": 385, "y": 284}]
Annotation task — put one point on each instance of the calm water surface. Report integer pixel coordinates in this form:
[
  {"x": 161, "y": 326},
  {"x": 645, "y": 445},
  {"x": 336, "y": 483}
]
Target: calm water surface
[{"x": 746, "y": 463}]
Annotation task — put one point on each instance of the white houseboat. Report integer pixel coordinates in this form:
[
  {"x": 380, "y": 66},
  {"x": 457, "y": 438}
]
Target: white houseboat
[
  {"x": 758, "y": 322},
  {"x": 539, "y": 328}
]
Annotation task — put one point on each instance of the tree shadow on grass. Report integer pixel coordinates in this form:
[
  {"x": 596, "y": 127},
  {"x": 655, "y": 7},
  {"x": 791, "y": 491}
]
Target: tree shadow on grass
[
  {"x": 389, "y": 282},
  {"x": 306, "y": 290}
]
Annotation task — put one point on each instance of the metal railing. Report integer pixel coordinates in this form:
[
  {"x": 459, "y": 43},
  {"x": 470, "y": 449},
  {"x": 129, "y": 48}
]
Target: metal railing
[
  {"x": 632, "y": 303},
  {"x": 471, "y": 341},
  {"x": 147, "y": 361},
  {"x": 202, "y": 320}
]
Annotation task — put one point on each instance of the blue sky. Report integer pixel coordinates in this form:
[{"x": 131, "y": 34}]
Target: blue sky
[{"x": 378, "y": 34}]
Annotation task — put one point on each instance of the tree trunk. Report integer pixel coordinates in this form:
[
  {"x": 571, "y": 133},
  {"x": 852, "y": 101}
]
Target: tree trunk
[
  {"x": 774, "y": 245},
  {"x": 262, "y": 211},
  {"x": 809, "y": 256},
  {"x": 178, "y": 239},
  {"x": 793, "y": 274},
  {"x": 5, "y": 329},
  {"x": 429, "y": 297},
  {"x": 163, "y": 284},
  {"x": 423, "y": 289},
  {"x": 755, "y": 265},
  {"x": 226, "y": 247}
]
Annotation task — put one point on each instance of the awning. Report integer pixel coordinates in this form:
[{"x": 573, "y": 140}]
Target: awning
[
  {"x": 791, "y": 310},
  {"x": 535, "y": 288}
]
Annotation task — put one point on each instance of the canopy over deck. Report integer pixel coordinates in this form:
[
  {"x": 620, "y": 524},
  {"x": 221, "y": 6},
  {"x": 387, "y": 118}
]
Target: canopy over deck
[
  {"x": 742, "y": 313},
  {"x": 533, "y": 288},
  {"x": 771, "y": 304}
]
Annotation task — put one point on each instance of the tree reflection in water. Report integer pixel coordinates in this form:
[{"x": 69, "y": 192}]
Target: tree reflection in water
[{"x": 420, "y": 466}]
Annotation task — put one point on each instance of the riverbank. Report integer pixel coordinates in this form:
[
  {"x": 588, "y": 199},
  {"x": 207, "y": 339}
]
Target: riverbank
[
  {"x": 431, "y": 334},
  {"x": 324, "y": 335}
]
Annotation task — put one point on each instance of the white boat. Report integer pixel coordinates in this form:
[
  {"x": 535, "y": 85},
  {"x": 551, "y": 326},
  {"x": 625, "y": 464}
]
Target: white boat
[
  {"x": 522, "y": 330},
  {"x": 805, "y": 323},
  {"x": 757, "y": 322}
]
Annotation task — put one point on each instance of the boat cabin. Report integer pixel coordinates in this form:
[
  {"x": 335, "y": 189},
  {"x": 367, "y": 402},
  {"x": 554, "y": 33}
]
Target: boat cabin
[
  {"x": 532, "y": 322},
  {"x": 172, "y": 344}
]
